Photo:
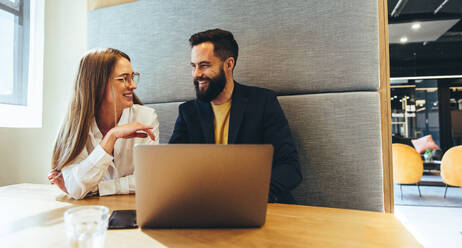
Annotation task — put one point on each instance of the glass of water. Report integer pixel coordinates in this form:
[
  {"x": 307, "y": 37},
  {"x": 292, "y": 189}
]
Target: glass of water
[{"x": 86, "y": 226}]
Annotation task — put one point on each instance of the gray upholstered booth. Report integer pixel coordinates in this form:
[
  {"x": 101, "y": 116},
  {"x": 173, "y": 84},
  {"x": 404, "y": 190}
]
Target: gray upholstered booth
[{"x": 321, "y": 57}]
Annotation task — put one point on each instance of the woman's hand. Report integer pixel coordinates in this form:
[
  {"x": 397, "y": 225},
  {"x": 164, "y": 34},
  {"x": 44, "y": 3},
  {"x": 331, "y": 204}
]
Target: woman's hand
[
  {"x": 133, "y": 130},
  {"x": 126, "y": 131},
  {"x": 56, "y": 178}
]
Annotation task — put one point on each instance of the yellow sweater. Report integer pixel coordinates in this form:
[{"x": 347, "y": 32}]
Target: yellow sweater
[{"x": 221, "y": 122}]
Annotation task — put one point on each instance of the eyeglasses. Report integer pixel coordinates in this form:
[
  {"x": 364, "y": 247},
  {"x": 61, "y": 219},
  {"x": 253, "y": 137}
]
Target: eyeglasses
[{"x": 128, "y": 78}]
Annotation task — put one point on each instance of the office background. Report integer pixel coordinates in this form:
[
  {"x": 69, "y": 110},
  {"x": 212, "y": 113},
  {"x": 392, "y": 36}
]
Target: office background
[
  {"x": 325, "y": 70},
  {"x": 332, "y": 59},
  {"x": 26, "y": 152}
]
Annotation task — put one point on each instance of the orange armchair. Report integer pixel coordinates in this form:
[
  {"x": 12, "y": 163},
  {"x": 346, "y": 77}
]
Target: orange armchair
[
  {"x": 451, "y": 167},
  {"x": 407, "y": 166}
]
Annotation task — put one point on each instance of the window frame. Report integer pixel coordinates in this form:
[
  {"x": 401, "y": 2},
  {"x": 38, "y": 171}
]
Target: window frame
[
  {"x": 20, "y": 53},
  {"x": 29, "y": 115}
]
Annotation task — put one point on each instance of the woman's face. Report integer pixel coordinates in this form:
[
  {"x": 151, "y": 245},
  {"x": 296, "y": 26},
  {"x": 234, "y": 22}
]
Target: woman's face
[{"x": 123, "y": 89}]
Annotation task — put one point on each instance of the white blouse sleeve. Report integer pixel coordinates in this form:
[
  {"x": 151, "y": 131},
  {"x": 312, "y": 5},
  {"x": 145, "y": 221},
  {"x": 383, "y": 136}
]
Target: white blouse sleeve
[
  {"x": 126, "y": 185},
  {"x": 123, "y": 185},
  {"x": 155, "y": 130},
  {"x": 84, "y": 174}
]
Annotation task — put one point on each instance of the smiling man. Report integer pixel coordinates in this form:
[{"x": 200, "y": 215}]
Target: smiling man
[{"x": 226, "y": 112}]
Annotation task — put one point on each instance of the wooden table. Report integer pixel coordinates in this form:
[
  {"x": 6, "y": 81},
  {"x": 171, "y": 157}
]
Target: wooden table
[{"x": 32, "y": 216}]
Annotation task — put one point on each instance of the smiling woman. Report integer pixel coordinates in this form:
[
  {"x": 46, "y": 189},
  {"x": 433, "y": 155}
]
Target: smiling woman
[{"x": 103, "y": 110}]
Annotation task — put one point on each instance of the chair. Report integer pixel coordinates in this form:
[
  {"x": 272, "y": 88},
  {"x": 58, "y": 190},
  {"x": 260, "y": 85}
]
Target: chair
[
  {"x": 451, "y": 167},
  {"x": 407, "y": 166}
]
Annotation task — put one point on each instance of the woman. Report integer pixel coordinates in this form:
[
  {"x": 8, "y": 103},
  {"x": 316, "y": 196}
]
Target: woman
[{"x": 94, "y": 149}]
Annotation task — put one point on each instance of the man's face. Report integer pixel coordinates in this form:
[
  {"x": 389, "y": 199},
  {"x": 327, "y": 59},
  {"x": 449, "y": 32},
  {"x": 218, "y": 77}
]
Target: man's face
[{"x": 207, "y": 69}]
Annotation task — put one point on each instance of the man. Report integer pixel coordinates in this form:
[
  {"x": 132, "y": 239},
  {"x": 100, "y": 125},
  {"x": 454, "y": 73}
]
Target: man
[{"x": 226, "y": 112}]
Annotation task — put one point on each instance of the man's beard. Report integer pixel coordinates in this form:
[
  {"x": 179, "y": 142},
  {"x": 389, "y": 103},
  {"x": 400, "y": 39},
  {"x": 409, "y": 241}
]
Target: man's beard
[{"x": 215, "y": 87}]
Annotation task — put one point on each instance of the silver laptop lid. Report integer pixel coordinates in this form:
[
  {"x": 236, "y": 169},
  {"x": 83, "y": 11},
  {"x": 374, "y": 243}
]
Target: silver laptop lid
[{"x": 202, "y": 185}]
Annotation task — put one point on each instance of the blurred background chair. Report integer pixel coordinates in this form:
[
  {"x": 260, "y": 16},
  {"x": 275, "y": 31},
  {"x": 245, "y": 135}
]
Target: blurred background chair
[
  {"x": 407, "y": 166},
  {"x": 451, "y": 167}
]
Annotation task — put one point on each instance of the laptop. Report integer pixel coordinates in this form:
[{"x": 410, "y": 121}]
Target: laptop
[{"x": 202, "y": 185}]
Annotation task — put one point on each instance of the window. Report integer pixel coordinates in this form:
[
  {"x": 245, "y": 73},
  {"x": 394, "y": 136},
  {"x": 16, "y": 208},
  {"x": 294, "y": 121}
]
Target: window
[
  {"x": 415, "y": 109},
  {"x": 14, "y": 23},
  {"x": 21, "y": 60}
]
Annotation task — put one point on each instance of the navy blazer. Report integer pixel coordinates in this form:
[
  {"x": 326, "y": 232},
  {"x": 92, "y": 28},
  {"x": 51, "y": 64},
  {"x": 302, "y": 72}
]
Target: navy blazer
[{"x": 256, "y": 118}]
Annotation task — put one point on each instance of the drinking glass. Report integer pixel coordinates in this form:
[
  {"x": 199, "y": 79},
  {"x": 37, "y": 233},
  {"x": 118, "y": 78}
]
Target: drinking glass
[{"x": 86, "y": 226}]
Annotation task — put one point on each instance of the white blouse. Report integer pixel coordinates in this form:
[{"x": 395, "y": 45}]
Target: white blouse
[{"x": 95, "y": 170}]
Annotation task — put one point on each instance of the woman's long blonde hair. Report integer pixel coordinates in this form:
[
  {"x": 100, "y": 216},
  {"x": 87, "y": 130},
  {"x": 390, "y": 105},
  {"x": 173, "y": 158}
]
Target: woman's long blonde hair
[{"x": 90, "y": 84}]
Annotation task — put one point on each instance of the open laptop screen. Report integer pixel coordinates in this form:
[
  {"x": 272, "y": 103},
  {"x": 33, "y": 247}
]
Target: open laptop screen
[{"x": 202, "y": 185}]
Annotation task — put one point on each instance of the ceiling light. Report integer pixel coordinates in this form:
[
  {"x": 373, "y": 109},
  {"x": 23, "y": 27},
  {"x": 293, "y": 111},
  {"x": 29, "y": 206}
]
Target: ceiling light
[
  {"x": 416, "y": 26},
  {"x": 403, "y": 39}
]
